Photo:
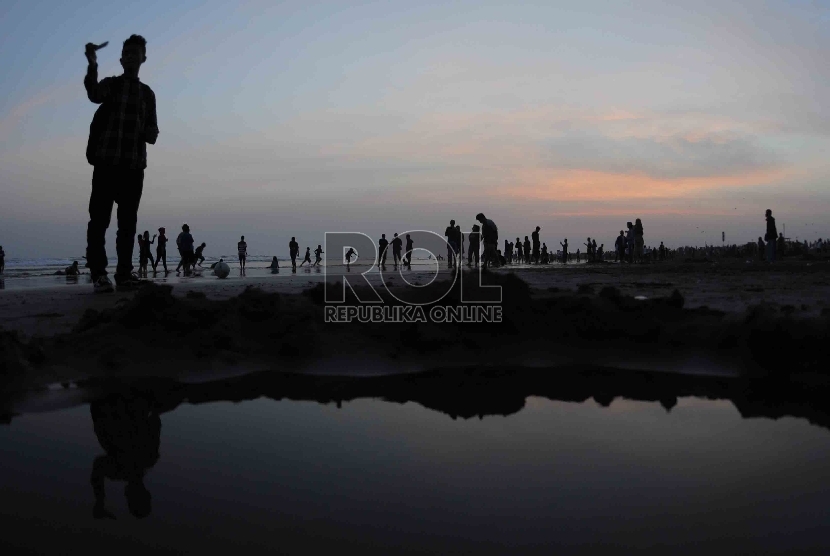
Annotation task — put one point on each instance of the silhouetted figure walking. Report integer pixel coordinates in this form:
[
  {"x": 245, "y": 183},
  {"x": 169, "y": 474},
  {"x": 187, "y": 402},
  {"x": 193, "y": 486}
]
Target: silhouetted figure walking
[
  {"x": 294, "y": 252},
  {"x": 771, "y": 236},
  {"x": 408, "y": 252},
  {"x": 129, "y": 431},
  {"x": 161, "y": 250},
  {"x": 307, "y": 258},
  {"x": 120, "y": 129},
  {"x": 564, "y": 251},
  {"x": 397, "y": 247},
  {"x": 242, "y": 251},
  {"x": 318, "y": 255}
]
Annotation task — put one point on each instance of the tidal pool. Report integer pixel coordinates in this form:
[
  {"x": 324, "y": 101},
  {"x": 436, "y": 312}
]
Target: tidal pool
[{"x": 268, "y": 476}]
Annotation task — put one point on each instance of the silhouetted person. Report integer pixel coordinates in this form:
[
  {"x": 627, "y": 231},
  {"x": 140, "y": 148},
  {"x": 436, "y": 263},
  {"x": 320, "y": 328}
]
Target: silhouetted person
[
  {"x": 129, "y": 431},
  {"x": 762, "y": 248},
  {"x": 72, "y": 270},
  {"x": 638, "y": 239},
  {"x": 349, "y": 254},
  {"x": 408, "y": 253},
  {"x": 527, "y": 250},
  {"x": 397, "y": 247},
  {"x": 564, "y": 251},
  {"x": 475, "y": 245},
  {"x": 120, "y": 129},
  {"x": 520, "y": 254},
  {"x": 307, "y": 258},
  {"x": 198, "y": 257},
  {"x": 490, "y": 237},
  {"x": 459, "y": 240},
  {"x": 594, "y": 250},
  {"x": 536, "y": 244},
  {"x": 544, "y": 254},
  {"x": 275, "y": 265},
  {"x": 242, "y": 251},
  {"x": 662, "y": 251},
  {"x": 147, "y": 252},
  {"x": 619, "y": 247},
  {"x": 452, "y": 249},
  {"x": 588, "y": 249},
  {"x": 382, "y": 245},
  {"x": 161, "y": 249},
  {"x": 185, "y": 244},
  {"x": 294, "y": 252},
  {"x": 771, "y": 236},
  {"x": 599, "y": 252},
  {"x": 318, "y": 255}
]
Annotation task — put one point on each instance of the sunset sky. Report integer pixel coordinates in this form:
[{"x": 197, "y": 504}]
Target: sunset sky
[{"x": 296, "y": 118}]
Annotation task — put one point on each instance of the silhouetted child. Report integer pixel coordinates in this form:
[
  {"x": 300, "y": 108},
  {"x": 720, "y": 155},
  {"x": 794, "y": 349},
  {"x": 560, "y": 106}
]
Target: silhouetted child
[
  {"x": 318, "y": 255},
  {"x": 307, "y": 258},
  {"x": 349, "y": 255},
  {"x": 161, "y": 249},
  {"x": 198, "y": 257},
  {"x": 275, "y": 265}
]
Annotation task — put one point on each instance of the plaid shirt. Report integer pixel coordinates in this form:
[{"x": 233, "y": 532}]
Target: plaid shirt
[{"x": 131, "y": 107}]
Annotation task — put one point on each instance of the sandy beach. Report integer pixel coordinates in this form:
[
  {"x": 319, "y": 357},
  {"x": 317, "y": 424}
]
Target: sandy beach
[{"x": 581, "y": 314}]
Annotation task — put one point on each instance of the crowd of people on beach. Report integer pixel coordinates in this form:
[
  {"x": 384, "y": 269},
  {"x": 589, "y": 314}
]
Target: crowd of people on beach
[{"x": 126, "y": 121}]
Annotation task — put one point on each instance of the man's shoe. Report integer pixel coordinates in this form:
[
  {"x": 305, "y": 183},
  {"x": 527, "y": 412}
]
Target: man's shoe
[
  {"x": 102, "y": 284},
  {"x": 127, "y": 282}
]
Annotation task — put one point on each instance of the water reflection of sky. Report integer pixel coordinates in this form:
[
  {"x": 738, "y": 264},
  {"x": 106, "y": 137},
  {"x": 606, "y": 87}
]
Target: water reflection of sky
[{"x": 384, "y": 477}]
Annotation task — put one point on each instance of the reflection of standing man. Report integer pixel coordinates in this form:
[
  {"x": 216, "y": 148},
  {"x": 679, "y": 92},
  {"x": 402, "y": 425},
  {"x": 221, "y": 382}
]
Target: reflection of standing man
[{"x": 129, "y": 431}]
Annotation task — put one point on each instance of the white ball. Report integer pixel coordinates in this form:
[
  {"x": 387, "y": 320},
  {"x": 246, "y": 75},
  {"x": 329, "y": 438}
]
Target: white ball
[{"x": 221, "y": 270}]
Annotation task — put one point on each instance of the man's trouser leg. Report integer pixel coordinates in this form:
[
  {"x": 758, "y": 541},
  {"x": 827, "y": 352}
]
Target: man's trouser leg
[
  {"x": 100, "y": 212},
  {"x": 128, "y": 186}
]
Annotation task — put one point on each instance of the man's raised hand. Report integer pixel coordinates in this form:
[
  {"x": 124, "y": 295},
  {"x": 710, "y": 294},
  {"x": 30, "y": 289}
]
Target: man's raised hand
[{"x": 90, "y": 49}]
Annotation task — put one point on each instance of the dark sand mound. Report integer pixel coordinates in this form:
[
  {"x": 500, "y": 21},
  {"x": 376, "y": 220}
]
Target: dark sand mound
[{"x": 157, "y": 333}]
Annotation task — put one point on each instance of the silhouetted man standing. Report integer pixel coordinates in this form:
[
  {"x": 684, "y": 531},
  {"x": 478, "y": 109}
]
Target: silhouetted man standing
[
  {"x": 382, "y": 245},
  {"x": 771, "y": 236},
  {"x": 397, "y": 245},
  {"x": 294, "y": 252},
  {"x": 535, "y": 236},
  {"x": 122, "y": 126}
]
